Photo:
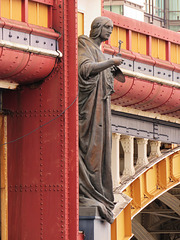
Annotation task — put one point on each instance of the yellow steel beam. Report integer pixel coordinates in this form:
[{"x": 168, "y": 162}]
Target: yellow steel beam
[
  {"x": 118, "y": 34},
  {"x": 4, "y": 179},
  {"x": 38, "y": 14},
  {"x": 139, "y": 43},
  {"x": 121, "y": 227},
  {"x": 161, "y": 175},
  {"x": 80, "y": 23},
  {"x": 11, "y": 9}
]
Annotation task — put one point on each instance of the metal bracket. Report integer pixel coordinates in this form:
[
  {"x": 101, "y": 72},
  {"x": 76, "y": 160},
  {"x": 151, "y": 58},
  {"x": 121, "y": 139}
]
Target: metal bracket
[
  {"x": 163, "y": 73},
  {"x": 176, "y": 77},
  {"x": 29, "y": 42},
  {"x": 128, "y": 64},
  {"x": 143, "y": 68}
]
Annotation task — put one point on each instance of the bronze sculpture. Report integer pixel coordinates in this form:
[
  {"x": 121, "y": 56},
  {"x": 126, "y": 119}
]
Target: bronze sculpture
[{"x": 95, "y": 87}]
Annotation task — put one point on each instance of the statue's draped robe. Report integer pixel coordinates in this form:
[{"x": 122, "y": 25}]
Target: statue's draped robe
[{"x": 95, "y": 181}]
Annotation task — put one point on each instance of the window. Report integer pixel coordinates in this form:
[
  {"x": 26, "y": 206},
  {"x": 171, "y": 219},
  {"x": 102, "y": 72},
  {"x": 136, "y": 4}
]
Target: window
[
  {"x": 174, "y": 10},
  {"x": 119, "y": 9},
  {"x": 155, "y": 7}
]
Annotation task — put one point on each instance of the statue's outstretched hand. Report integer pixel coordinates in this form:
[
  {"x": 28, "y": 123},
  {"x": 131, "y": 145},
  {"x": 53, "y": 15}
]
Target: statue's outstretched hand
[{"x": 117, "y": 61}]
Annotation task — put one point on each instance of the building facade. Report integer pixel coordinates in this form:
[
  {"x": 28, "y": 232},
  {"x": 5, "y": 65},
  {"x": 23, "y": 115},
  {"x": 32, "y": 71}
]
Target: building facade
[{"x": 163, "y": 13}]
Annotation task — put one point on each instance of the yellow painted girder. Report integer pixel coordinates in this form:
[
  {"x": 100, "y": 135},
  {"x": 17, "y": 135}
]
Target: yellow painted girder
[
  {"x": 4, "y": 181},
  {"x": 139, "y": 43},
  {"x": 38, "y": 14},
  {"x": 11, "y": 9},
  {"x": 158, "y": 48},
  {"x": 118, "y": 34},
  {"x": 175, "y": 53},
  {"x": 153, "y": 182},
  {"x": 121, "y": 227},
  {"x": 80, "y": 23}
]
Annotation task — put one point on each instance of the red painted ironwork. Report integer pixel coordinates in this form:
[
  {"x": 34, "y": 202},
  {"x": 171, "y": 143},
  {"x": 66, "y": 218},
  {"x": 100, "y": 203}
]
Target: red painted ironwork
[
  {"x": 80, "y": 236},
  {"x": 147, "y": 96},
  {"x": 142, "y": 27},
  {"x": 28, "y": 28},
  {"x": 137, "y": 93},
  {"x": 43, "y": 166},
  {"x": 67, "y": 25},
  {"x": 25, "y": 11},
  {"x": 23, "y": 67},
  {"x": 50, "y": 16},
  {"x": 47, "y": 2}
]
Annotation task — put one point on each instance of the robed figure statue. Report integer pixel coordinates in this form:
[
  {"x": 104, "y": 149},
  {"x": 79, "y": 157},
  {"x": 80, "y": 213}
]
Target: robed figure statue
[{"x": 95, "y": 88}]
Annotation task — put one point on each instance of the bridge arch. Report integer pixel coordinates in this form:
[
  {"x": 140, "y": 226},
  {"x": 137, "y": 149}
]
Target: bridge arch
[{"x": 149, "y": 182}]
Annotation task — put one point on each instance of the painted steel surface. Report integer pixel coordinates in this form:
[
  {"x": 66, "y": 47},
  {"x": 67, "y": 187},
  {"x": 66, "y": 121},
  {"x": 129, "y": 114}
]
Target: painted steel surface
[
  {"x": 22, "y": 66},
  {"x": 43, "y": 166},
  {"x": 33, "y": 12},
  {"x": 4, "y": 178},
  {"x": 145, "y": 95},
  {"x": 155, "y": 60},
  {"x": 148, "y": 183}
]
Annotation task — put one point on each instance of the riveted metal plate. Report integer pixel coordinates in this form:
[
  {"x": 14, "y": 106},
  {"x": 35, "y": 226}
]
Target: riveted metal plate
[
  {"x": 1, "y": 35},
  {"x": 176, "y": 77},
  {"x": 163, "y": 73},
  {"x": 42, "y": 42},
  {"x": 127, "y": 64},
  {"x": 128, "y": 126},
  {"x": 143, "y": 68},
  {"x": 107, "y": 56},
  {"x": 144, "y": 127},
  {"x": 15, "y": 36}
]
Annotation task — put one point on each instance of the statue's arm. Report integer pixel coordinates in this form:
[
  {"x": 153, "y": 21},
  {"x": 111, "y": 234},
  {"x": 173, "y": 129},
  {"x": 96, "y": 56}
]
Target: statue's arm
[{"x": 100, "y": 66}]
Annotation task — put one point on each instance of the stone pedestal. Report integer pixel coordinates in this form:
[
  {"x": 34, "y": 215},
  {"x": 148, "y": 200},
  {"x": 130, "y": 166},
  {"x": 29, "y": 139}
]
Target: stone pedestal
[{"x": 92, "y": 225}]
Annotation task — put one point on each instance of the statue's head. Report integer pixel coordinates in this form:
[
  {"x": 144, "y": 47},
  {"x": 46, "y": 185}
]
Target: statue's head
[{"x": 101, "y": 27}]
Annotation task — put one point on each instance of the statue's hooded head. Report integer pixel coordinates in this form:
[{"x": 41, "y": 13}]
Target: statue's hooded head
[{"x": 97, "y": 25}]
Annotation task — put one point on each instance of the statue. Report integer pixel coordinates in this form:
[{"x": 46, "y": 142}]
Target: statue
[{"x": 95, "y": 87}]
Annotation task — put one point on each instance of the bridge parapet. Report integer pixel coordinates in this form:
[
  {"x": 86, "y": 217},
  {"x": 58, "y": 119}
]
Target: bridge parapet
[
  {"x": 146, "y": 48},
  {"x": 131, "y": 154},
  {"x": 142, "y": 170}
]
